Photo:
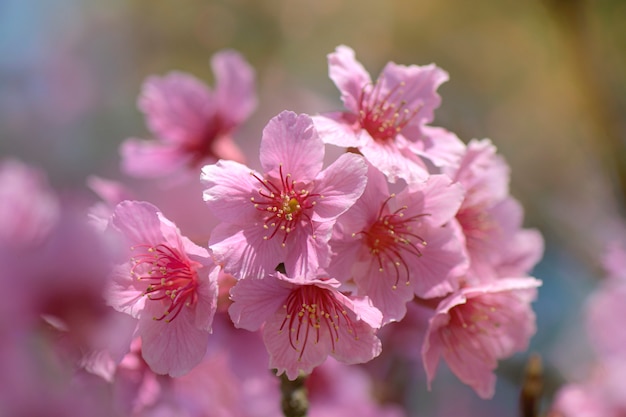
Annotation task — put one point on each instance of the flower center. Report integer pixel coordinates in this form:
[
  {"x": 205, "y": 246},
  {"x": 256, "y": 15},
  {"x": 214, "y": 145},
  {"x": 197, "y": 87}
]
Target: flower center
[
  {"x": 171, "y": 277},
  {"x": 384, "y": 115},
  {"x": 284, "y": 204},
  {"x": 478, "y": 226},
  {"x": 311, "y": 311},
  {"x": 391, "y": 238}
]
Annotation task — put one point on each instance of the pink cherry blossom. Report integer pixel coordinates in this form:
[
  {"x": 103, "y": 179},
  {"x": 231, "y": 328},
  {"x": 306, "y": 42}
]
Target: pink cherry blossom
[
  {"x": 490, "y": 219},
  {"x": 168, "y": 283},
  {"x": 386, "y": 119},
  {"x": 335, "y": 389},
  {"x": 192, "y": 125},
  {"x": 28, "y": 206},
  {"x": 606, "y": 310},
  {"x": 475, "y": 327},
  {"x": 304, "y": 320},
  {"x": 602, "y": 393},
  {"x": 396, "y": 246},
  {"x": 285, "y": 215}
]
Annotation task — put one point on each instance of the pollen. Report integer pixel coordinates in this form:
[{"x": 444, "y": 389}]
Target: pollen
[
  {"x": 393, "y": 242},
  {"x": 383, "y": 110},
  {"x": 286, "y": 205},
  {"x": 171, "y": 277},
  {"x": 311, "y": 312}
]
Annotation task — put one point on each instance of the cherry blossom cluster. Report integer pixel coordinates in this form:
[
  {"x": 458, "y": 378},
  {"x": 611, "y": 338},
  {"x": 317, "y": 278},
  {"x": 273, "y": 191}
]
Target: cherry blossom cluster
[{"x": 309, "y": 259}]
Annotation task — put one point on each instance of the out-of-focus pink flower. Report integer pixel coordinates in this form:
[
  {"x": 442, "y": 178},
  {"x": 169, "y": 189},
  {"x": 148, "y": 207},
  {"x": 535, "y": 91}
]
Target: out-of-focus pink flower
[
  {"x": 29, "y": 208},
  {"x": 192, "y": 125},
  {"x": 304, "y": 320},
  {"x": 335, "y": 389},
  {"x": 606, "y": 312},
  {"x": 602, "y": 394},
  {"x": 475, "y": 327},
  {"x": 614, "y": 261},
  {"x": 396, "y": 246},
  {"x": 111, "y": 192},
  {"x": 168, "y": 283},
  {"x": 285, "y": 215},
  {"x": 386, "y": 119}
]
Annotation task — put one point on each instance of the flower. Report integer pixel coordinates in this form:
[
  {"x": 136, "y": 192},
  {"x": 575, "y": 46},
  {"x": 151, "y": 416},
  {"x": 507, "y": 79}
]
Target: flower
[
  {"x": 304, "y": 320},
  {"x": 386, "y": 119},
  {"x": 285, "y": 215},
  {"x": 168, "y": 283},
  {"x": 29, "y": 208},
  {"x": 192, "y": 124},
  {"x": 475, "y": 327},
  {"x": 395, "y": 246},
  {"x": 490, "y": 219}
]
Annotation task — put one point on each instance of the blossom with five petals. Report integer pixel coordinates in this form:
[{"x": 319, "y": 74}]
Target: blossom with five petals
[
  {"x": 166, "y": 282},
  {"x": 386, "y": 120},
  {"x": 192, "y": 125},
  {"x": 395, "y": 246},
  {"x": 285, "y": 215},
  {"x": 475, "y": 327}
]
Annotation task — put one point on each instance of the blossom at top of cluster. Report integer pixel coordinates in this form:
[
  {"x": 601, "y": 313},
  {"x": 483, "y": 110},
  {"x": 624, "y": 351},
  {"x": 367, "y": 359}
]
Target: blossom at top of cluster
[
  {"x": 475, "y": 327},
  {"x": 191, "y": 124},
  {"x": 305, "y": 319},
  {"x": 386, "y": 119},
  {"x": 166, "y": 282},
  {"x": 285, "y": 214},
  {"x": 396, "y": 246}
]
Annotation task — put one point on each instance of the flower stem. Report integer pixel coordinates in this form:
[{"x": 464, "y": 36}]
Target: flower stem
[{"x": 294, "y": 396}]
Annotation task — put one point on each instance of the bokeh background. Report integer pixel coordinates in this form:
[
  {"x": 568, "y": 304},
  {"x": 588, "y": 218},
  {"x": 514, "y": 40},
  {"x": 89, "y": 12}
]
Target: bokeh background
[{"x": 545, "y": 80}]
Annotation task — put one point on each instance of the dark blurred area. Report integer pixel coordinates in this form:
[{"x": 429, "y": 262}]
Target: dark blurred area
[{"x": 545, "y": 80}]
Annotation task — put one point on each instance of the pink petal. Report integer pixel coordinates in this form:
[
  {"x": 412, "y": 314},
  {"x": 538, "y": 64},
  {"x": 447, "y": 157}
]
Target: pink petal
[
  {"x": 358, "y": 346},
  {"x": 438, "y": 197},
  {"x": 207, "y": 298},
  {"x": 340, "y": 185},
  {"x": 284, "y": 358},
  {"x": 306, "y": 253},
  {"x": 138, "y": 221},
  {"x": 224, "y": 147},
  {"x": 442, "y": 147},
  {"x": 337, "y": 128},
  {"x": 435, "y": 273},
  {"x": 177, "y": 106},
  {"x": 256, "y": 300},
  {"x": 151, "y": 159},
  {"x": 234, "y": 86},
  {"x": 348, "y": 75},
  {"x": 419, "y": 86},
  {"x": 393, "y": 161},
  {"x": 173, "y": 348},
  {"x": 291, "y": 141},
  {"x": 379, "y": 287},
  {"x": 243, "y": 252},
  {"x": 229, "y": 187},
  {"x": 123, "y": 294}
]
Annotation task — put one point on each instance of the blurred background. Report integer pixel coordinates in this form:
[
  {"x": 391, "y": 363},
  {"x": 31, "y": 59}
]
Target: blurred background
[{"x": 545, "y": 80}]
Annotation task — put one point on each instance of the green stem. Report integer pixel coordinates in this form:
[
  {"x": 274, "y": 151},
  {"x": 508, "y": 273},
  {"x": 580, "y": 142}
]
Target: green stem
[{"x": 294, "y": 400}]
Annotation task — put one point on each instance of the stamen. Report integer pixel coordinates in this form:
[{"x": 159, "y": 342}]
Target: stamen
[
  {"x": 383, "y": 116},
  {"x": 171, "y": 278},
  {"x": 285, "y": 204},
  {"x": 391, "y": 238},
  {"x": 311, "y": 310}
]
